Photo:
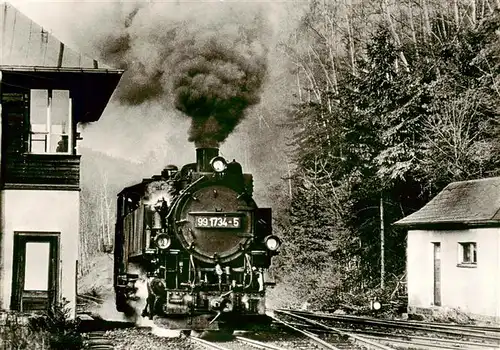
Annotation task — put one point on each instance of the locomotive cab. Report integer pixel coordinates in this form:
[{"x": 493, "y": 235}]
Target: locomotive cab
[{"x": 200, "y": 241}]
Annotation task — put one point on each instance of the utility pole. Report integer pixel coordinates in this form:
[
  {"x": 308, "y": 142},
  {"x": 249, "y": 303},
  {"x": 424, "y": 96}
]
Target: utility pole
[{"x": 382, "y": 243}]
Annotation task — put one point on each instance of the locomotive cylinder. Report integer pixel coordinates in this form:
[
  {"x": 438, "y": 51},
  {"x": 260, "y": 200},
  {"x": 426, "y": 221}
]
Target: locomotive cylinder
[{"x": 203, "y": 158}]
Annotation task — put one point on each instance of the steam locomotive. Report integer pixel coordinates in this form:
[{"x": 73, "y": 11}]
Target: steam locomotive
[{"x": 202, "y": 242}]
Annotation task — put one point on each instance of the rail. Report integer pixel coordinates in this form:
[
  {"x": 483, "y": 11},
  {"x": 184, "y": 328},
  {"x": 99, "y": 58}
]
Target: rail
[
  {"x": 367, "y": 343},
  {"x": 258, "y": 344},
  {"x": 436, "y": 328},
  {"x": 407, "y": 340},
  {"x": 98, "y": 341},
  {"x": 306, "y": 333},
  {"x": 208, "y": 344}
]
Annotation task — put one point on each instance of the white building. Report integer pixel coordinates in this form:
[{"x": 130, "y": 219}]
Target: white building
[
  {"x": 453, "y": 250},
  {"x": 46, "y": 90}
]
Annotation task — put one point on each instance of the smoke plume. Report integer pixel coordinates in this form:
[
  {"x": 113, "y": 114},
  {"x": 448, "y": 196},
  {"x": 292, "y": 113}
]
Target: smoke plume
[{"x": 208, "y": 60}]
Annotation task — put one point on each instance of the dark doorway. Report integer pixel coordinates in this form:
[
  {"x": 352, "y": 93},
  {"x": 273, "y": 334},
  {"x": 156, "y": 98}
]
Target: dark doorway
[
  {"x": 437, "y": 274},
  {"x": 35, "y": 276}
]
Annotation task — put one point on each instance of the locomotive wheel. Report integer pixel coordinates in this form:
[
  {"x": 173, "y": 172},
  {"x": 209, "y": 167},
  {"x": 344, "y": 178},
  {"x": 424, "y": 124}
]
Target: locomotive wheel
[{"x": 157, "y": 307}]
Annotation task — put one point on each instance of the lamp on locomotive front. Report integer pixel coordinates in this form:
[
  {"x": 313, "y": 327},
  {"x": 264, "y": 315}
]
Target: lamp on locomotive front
[
  {"x": 218, "y": 164},
  {"x": 163, "y": 241},
  {"x": 272, "y": 243}
]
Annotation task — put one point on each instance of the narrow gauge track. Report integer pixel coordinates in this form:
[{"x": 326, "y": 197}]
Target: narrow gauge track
[
  {"x": 287, "y": 336},
  {"x": 237, "y": 343},
  {"x": 336, "y": 339},
  {"x": 483, "y": 339},
  {"x": 98, "y": 341},
  {"x": 412, "y": 340},
  {"x": 93, "y": 333},
  {"x": 94, "y": 330},
  {"x": 426, "y": 326}
]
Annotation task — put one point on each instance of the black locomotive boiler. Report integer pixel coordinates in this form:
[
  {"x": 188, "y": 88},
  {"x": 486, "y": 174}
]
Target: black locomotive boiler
[{"x": 202, "y": 241}]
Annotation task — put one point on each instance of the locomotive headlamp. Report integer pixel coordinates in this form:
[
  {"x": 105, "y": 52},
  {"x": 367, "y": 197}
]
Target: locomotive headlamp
[
  {"x": 272, "y": 242},
  {"x": 218, "y": 164},
  {"x": 163, "y": 241}
]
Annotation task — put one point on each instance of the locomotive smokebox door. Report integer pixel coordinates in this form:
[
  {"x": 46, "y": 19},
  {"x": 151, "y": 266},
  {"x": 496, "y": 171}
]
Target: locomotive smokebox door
[{"x": 217, "y": 225}]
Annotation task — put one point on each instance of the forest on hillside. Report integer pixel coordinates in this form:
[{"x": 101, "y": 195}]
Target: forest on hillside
[
  {"x": 392, "y": 101},
  {"x": 102, "y": 178}
]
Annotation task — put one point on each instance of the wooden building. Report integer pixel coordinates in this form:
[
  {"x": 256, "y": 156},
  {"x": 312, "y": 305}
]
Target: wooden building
[
  {"x": 453, "y": 250},
  {"x": 46, "y": 90}
]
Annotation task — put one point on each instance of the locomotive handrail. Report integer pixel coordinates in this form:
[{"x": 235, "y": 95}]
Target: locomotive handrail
[
  {"x": 185, "y": 191},
  {"x": 248, "y": 270}
]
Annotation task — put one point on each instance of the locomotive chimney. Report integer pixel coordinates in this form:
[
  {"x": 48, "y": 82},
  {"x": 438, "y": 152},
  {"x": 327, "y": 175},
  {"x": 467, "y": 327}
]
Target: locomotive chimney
[{"x": 203, "y": 157}]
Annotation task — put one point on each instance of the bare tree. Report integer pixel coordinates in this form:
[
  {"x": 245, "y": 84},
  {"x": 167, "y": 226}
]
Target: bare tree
[
  {"x": 452, "y": 141},
  {"x": 105, "y": 211}
]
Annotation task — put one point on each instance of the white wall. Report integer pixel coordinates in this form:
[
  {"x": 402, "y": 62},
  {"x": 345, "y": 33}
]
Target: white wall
[
  {"x": 39, "y": 211},
  {"x": 474, "y": 290}
]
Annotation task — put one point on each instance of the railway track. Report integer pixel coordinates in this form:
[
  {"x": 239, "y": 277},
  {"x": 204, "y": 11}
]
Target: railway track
[
  {"x": 237, "y": 343},
  {"x": 94, "y": 331},
  {"x": 403, "y": 335},
  {"x": 308, "y": 331},
  {"x": 334, "y": 339},
  {"x": 98, "y": 341},
  {"x": 471, "y": 330}
]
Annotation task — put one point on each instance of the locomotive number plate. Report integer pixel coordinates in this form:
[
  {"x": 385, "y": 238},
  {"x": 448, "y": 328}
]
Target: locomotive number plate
[{"x": 217, "y": 222}]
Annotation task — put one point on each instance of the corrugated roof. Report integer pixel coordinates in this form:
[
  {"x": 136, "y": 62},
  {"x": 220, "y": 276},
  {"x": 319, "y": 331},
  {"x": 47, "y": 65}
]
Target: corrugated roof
[
  {"x": 25, "y": 43},
  {"x": 465, "y": 202}
]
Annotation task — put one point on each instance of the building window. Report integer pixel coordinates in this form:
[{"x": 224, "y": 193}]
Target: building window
[
  {"x": 467, "y": 253},
  {"x": 50, "y": 121}
]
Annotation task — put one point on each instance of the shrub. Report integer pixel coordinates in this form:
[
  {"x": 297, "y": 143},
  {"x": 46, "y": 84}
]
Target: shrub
[
  {"x": 15, "y": 334},
  {"x": 61, "y": 331}
]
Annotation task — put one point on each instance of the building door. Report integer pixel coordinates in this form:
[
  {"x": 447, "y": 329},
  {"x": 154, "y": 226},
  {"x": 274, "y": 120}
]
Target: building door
[
  {"x": 35, "y": 271},
  {"x": 437, "y": 274}
]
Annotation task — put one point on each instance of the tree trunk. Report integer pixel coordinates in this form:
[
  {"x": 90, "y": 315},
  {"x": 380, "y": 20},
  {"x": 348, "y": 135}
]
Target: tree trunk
[
  {"x": 427, "y": 22},
  {"x": 412, "y": 26},
  {"x": 350, "y": 39},
  {"x": 473, "y": 12},
  {"x": 395, "y": 36},
  {"x": 382, "y": 243},
  {"x": 456, "y": 14}
]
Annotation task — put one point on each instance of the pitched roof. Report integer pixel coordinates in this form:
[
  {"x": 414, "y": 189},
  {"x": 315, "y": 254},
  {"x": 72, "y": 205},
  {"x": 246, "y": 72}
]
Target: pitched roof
[
  {"x": 30, "y": 57},
  {"x": 25, "y": 43},
  {"x": 466, "y": 202}
]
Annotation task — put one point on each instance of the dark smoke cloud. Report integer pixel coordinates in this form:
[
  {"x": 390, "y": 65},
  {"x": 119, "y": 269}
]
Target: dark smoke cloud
[{"x": 209, "y": 62}]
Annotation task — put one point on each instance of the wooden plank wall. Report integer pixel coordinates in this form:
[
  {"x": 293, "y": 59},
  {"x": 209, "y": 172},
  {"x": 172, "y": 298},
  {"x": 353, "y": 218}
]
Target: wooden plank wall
[{"x": 42, "y": 169}]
